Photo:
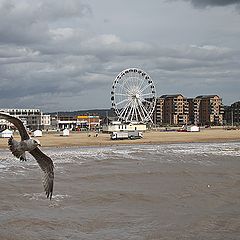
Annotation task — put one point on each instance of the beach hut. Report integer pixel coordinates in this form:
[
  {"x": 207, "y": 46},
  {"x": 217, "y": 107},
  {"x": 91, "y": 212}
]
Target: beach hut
[
  {"x": 6, "y": 133},
  {"x": 193, "y": 128},
  {"x": 37, "y": 133},
  {"x": 65, "y": 133}
]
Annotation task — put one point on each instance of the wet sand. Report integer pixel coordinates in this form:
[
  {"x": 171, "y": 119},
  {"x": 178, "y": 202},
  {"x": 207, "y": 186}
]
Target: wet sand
[{"x": 150, "y": 137}]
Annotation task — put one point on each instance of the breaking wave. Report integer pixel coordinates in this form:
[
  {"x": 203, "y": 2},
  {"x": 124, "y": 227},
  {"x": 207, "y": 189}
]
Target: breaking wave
[{"x": 165, "y": 153}]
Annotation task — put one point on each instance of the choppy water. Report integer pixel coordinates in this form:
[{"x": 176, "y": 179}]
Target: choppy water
[{"x": 176, "y": 191}]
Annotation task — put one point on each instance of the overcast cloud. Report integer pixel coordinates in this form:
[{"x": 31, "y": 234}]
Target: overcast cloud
[
  {"x": 204, "y": 3},
  {"x": 64, "y": 54}
]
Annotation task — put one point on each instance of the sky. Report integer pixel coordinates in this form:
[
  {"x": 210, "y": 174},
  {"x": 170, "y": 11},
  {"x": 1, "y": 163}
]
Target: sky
[{"x": 63, "y": 55}]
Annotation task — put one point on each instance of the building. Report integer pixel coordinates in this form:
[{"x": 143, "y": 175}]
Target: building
[
  {"x": 6, "y": 133},
  {"x": 171, "y": 110},
  {"x": 87, "y": 121},
  {"x": 158, "y": 112},
  {"x": 64, "y": 122},
  {"x": 208, "y": 110},
  {"x": 32, "y": 118},
  {"x": 191, "y": 111},
  {"x": 116, "y": 126},
  {"x": 65, "y": 133},
  {"x": 232, "y": 114},
  {"x": 37, "y": 133},
  {"x": 178, "y": 110},
  {"x": 82, "y": 122}
]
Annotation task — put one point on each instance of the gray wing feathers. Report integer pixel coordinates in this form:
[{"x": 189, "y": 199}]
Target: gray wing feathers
[
  {"x": 46, "y": 164},
  {"x": 14, "y": 147},
  {"x": 18, "y": 123}
]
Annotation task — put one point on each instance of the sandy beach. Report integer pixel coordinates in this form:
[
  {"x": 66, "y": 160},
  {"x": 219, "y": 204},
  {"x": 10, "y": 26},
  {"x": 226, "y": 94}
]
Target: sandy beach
[{"x": 149, "y": 137}]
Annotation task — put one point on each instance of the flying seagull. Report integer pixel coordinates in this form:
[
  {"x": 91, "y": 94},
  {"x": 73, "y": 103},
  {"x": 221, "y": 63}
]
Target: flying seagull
[{"x": 18, "y": 149}]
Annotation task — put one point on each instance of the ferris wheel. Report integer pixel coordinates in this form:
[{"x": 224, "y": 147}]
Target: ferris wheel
[{"x": 133, "y": 96}]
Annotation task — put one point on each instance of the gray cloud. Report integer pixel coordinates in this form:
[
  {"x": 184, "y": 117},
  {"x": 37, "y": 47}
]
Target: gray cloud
[
  {"x": 54, "y": 56},
  {"x": 23, "y": 22},
  {"x": 36, "y": 75},
  {"x": 204, "y": 3}
]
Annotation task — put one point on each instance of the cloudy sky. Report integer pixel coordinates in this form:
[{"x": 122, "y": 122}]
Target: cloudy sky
[{"x": 64, "y": 54}]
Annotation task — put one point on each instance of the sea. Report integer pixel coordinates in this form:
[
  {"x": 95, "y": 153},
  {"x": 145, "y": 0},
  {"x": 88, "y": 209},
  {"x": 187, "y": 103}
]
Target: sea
[{"x": 136, "y": 192}]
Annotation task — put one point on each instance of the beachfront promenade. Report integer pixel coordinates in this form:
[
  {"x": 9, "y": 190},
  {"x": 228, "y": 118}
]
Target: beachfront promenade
[{"x": 149, "y": 137}]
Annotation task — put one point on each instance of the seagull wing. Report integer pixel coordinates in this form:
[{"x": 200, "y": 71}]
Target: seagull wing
[
  {"x": 47, "y": 167},
  {"x": 18, "y": 123}
]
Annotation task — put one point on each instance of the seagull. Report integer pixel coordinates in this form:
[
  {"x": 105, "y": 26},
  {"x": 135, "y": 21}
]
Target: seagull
[{"x": 30, "y": 145}]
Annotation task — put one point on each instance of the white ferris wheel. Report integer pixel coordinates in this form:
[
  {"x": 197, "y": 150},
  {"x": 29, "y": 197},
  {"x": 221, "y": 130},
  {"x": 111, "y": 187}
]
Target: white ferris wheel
[{"x": 133, "y": 96}]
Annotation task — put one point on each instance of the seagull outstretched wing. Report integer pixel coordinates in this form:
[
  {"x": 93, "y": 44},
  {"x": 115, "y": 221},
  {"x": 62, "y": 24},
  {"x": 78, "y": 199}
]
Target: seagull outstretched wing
[
  {"x": 46, "y": 164},
  {"x": 17, "y": 123}
]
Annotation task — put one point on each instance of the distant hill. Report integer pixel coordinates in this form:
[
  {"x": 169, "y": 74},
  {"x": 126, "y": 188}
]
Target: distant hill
[{"x": 100, "y": 112}]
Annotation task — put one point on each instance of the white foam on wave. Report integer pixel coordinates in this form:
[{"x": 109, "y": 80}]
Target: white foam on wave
[
  {"x": 11, "y": 165},
  {"x": 79, "y": 155},
  {"x": 2, "y": 166},
  {"x": 219, "y": 149},
  {"x": 127, "y": 153},
  {"x": 161, "y": 153},
  {"x": 42, "y": 196},
  {"x": 82, "y": 155}
]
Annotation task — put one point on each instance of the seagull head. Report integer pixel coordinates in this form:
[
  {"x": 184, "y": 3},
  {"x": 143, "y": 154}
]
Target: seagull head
[{"x": 36, "y": 142}]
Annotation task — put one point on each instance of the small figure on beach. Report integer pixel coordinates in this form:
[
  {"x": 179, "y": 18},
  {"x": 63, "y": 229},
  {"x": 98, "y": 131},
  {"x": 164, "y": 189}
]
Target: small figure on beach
[{"x": 30, "y": 145}]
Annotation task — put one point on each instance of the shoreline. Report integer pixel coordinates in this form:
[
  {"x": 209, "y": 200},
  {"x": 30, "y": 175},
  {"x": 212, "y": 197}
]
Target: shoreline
[{"x": 149, "y": 137}]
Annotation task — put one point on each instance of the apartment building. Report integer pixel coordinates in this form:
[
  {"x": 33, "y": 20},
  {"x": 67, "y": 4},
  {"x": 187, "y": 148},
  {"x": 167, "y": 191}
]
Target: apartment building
[
  {"x": 32, "y": 118},
  {"x": 232, "y": 114},
  {"x": 172, "y": 110},
  {"x": 178, "y": 110},
  {"x": 192, "y": 115},
  {"x": 208, "y": 110},
  {"x": 158, "y": 112}
]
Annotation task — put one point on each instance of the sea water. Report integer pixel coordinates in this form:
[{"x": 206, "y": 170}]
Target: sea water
[{"x": 168, "y": 191}]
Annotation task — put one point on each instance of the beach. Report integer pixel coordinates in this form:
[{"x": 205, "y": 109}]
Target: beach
[{"x": 149, "y": 137}]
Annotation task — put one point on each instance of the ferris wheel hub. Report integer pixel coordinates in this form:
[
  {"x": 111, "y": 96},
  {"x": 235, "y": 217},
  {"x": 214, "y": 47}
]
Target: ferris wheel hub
[{"x": 137, "y": 95}]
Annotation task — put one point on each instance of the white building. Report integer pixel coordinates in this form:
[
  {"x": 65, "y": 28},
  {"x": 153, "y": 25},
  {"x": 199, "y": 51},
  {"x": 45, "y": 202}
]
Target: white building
[
  {"x": 65, "y": 132},
  {"x": 32, "y": 118},
  {"x": 6, "y": 133},
  {"x": 37, "y": 133},
  {"x": 193, "y": 129},
  {"x": 116, "y": 126}
]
